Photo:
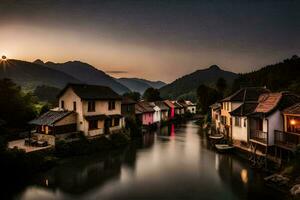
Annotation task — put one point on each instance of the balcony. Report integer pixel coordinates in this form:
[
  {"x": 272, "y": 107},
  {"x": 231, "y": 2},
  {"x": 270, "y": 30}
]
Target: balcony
[
  {"x": 287, "y": 140},
  {"x": 259, "y": 136}
]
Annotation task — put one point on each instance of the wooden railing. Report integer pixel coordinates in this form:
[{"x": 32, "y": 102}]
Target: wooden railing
[
  {"x": 287, "y": 139},
  {"x": 259, "y": 136}
]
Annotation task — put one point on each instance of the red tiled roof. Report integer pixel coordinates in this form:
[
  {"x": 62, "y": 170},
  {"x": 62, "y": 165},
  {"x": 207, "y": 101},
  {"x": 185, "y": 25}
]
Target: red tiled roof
[
  {"x": 267, "y": 102},
  {"x": 272, "y": 101},
  {"x": 143, "y": 107},
  {"x": 294, "y": 110}
]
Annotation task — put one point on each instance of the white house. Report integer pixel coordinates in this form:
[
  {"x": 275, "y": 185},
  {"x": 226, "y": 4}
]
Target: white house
[
  {"x": 267, "y": 117},
  {"x": 97, "y": 111},
  {"x": 157, "y": 113},
  {"x": 234, "y": 101},
  {"x": 191, "y": 107}
]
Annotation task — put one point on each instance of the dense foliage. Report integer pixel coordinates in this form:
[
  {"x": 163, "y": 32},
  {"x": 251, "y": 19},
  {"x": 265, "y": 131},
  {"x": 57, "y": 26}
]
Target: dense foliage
[
  {"x": 206, "y": 97},
  {"x": 136, "y": 96},
  {"x": 47, "y": 94},
  {"x": 17, "y": 108},
  {"x": 152, "y": 94},
  {"x": 278, "y": 77}
]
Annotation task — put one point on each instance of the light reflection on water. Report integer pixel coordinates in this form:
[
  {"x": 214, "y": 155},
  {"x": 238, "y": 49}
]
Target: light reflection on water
[{"x": 175, "y": 162}]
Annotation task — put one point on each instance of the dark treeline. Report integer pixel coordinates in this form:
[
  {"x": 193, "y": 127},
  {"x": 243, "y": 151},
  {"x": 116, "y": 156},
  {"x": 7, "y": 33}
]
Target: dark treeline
[
  {"x": 277, "y": 77},
  {"x": 17, "y": 107}
]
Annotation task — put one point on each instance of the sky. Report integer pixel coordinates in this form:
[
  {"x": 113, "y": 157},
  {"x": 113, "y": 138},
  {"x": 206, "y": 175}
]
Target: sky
[{"x": 157, "y": 40}]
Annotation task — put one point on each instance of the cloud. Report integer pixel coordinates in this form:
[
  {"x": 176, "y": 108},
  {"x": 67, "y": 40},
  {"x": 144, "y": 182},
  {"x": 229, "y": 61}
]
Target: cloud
[{"x": 117, "y": 72}]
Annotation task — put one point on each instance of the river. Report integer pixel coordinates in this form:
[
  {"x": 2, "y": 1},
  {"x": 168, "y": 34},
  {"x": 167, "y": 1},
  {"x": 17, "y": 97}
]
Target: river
[{"x": 175, "y": 162}]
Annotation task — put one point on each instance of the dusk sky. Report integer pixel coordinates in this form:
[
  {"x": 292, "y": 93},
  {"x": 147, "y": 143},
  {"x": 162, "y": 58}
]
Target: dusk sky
[{"x": 157, "y": 40}]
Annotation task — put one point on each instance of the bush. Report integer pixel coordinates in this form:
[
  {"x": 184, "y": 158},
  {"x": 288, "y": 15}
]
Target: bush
[
  {"x": 134, "y": 127},
  {"x": 120, "y": 139}
]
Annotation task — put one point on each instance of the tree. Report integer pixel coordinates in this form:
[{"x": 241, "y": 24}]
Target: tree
[
  {"x": 221, "y": 85},
  {"x": 47, "y": 94},
  {"x": 207, "y": 96},
  {"x": 17, "y": 108},
  {"x": 136, "y": 96},
  {"x": 152, "y": 94}
]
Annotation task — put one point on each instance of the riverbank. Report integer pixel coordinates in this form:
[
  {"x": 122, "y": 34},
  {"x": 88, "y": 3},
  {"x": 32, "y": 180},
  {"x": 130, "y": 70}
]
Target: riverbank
[{"x": 280, "y": 177}]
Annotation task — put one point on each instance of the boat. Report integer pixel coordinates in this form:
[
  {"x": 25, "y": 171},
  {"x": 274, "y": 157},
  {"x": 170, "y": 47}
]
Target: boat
[
  {"x": 216, "y": 137},
  {"x": 224, "y": 148}
]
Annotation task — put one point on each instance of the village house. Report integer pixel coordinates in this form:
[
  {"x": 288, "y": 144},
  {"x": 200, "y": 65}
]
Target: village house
[
  {"x": 171, "y": 106},
  {"x": 192, "y": 107},
  {"x": 164, "y": 110},
  {"x": 267, "y": 119},
  {"x": 91, "y": 109},
  {"x": 179, "y": 109},
  {"x": 234, "y": 101},
  {"x": 288, "y": 139},
  {"x": 144, "y": 113},
  {"x": 157, "y": 112},
  {"x": 128, "y": 107},
  {"x": 216, "y": 115}
]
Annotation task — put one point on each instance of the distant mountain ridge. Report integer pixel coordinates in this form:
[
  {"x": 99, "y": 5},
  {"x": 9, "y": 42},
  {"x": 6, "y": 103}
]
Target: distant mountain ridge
[
  {"x": 186, "y": 86},
  {"x": 140, "y": 85},
  {"x": 30, "y": 75},
  {"x": 88, "y": 74}
]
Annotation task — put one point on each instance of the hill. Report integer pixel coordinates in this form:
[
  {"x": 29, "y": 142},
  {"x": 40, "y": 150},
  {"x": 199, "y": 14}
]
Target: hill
[
  {"x": 140, "y": 85},
  {"x": 30, "y": 75},
  {"x": 277, "y": 77},
  {"x": 186, "y": 86},
  {"x": 87, "y": 74}
]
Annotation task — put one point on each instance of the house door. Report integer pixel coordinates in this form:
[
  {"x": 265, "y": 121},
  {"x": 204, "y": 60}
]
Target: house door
[{"x": 107, "y": 123}]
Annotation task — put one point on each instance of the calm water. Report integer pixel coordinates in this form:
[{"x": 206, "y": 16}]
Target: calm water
[{"x": 172, "y": 163}]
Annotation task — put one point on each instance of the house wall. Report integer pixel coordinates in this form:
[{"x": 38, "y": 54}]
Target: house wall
[
  {"x": 157, "y": 114},
  {"x": 147, "y": 118},
  {"x": 240, "y": 133},
  {"x": 226, "y": 108},
  {"x": 69, "y": 97},
  {"x": 192, "y": 109},
  {"x": 101, "y": 107},
  {"x": 70, "y": 119},
  {"x": 275, "y": 123}
]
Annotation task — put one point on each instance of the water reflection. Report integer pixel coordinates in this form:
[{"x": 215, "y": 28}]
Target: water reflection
[{"x": 174, "y": 162}]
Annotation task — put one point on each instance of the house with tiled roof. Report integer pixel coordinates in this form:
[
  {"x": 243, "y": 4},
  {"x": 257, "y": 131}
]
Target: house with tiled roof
[
  {"x": 91, "y": 109},
  {"x": 171, "y": 107},
  {"x": 191, "y": 107},
  {"x": 164, "y": 110},
  {"x": 230, "y": 120},
  {"x": 145, "y": 113},
  {"x": 267, "y": 119},
  {"x": 289, "y": 137}
]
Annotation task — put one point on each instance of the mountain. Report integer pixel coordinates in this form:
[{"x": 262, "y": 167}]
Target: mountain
[
  {"x": 140, "y": 85},
  {"x": 281, "y": 76},
  {"x": 186, "y": 86},
  {"x": 30, "y": 75},
  {"x": 88, "y": 74}
]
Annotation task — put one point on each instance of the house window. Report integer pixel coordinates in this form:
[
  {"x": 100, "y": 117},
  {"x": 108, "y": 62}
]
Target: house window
[
  {"x": 245, "y": 122},
  {"x": 62, "y": 104},
  {"x": 93, "y": 124},
  {"x": 74, "y": 106},
  {"x": 237, "y": 121},
  {"x": 111, "y": 105},
  {"x": 91, "y": 106}
]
